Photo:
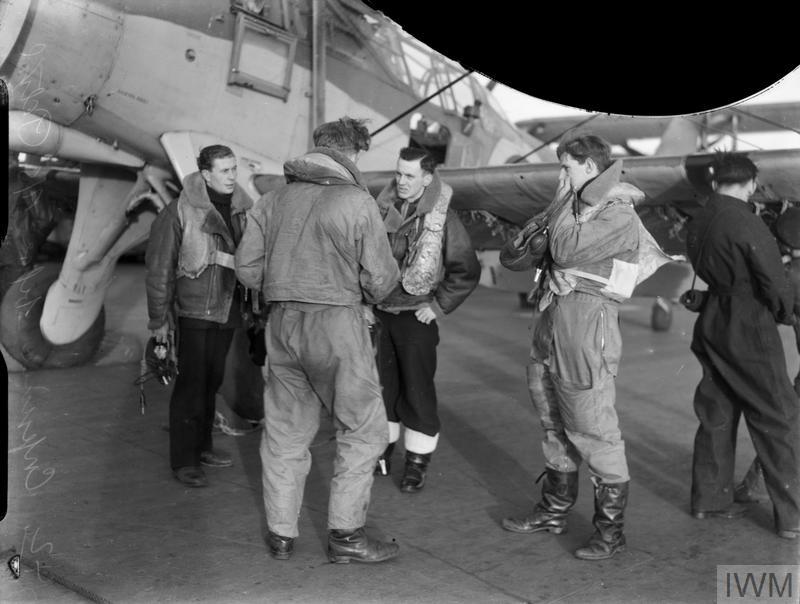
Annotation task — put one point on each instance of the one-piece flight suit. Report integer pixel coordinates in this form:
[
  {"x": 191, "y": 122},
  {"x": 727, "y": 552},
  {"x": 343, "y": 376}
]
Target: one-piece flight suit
[{"x": 317, "y": 249}]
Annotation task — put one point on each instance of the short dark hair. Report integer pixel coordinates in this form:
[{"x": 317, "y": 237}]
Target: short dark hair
[
  {"x": 585, "y": 146},
  {"x": 426, "y": 161},
  {"x": 205, "y": 161},
  {"x": 347, "y": 135},
  {"x": 731, "y": 168}
]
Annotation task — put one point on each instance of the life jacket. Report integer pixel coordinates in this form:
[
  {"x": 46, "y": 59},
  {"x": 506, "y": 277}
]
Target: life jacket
[
  {"x": 422, "y": 266},
  {"x": 199, "y": 224}
]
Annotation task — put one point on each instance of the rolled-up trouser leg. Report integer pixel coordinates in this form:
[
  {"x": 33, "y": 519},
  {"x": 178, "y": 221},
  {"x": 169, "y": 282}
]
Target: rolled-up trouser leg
[{"x": 559, "y": 453}]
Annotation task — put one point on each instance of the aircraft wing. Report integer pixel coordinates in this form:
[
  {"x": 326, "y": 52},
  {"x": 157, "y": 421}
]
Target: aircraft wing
[
  {"x": 619, "y": 129},
  {"x": 673, "y": 187}
]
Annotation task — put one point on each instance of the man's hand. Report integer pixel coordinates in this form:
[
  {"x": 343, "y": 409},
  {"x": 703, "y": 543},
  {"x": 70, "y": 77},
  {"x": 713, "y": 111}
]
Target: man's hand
[
  {"x": 161, "y": 334},
  {"x": 425, "y": 315}
]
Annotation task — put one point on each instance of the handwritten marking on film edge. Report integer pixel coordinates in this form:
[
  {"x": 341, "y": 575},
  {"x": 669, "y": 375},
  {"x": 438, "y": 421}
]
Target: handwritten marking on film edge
[
  {"x": 29, "y": 87},
  {"x": 34, "y": 549},
  {"x": 36, "y": 476},
  {"x": 26, "y": 301}
]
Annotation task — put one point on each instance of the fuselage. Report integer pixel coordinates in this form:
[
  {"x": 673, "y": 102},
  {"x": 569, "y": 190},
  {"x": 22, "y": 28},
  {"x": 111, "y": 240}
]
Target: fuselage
[{"x": 128, "y": 72}]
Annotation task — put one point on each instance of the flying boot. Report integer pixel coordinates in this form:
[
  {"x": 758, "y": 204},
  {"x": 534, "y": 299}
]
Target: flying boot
[
  {"x": 559, "y": 492},
  {"x": 609, "y": 510},
  {"x": 414, "y": 473}
]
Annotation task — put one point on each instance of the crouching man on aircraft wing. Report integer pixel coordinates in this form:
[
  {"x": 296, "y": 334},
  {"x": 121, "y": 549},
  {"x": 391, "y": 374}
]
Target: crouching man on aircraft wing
[
  {"x": 190, "y": 266},
  {"x": 599, "y": 250}
]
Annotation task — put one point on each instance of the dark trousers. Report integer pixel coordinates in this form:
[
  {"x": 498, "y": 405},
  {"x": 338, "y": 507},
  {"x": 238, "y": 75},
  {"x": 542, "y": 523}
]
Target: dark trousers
[
  {"x": 407, "y": 365},
  {"x": 201, "y": 369},
  {"x": 760, "y": 391}
]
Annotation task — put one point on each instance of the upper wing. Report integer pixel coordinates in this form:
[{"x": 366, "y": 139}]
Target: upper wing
[{"x": 673, "y": 187}]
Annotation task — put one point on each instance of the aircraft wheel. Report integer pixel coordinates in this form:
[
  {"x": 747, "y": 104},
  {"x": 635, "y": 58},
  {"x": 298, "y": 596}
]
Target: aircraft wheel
[
  {"x": 661, "y": 317},
  {"x": 20, "y": 312}
]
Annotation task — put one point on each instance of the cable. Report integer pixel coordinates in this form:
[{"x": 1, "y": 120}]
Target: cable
[{"x": 422, "y": 102}]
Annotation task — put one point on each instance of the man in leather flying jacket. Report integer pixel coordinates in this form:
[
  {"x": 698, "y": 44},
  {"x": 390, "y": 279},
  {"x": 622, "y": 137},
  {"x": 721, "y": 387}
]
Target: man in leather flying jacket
[
  {"x": 439, "y": 270},
  {"x": 191, "y": 286}
]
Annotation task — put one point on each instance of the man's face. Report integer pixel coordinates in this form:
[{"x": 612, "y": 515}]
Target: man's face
[
  {"x": 222, "y": 175},
  {"x": 411, "y": 179},
  {"x": 578, "y": 174}
]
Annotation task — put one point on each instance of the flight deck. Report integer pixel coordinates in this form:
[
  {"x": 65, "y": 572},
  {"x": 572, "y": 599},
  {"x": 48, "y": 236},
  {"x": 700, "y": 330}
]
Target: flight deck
[{"x": 95, "y": 514}]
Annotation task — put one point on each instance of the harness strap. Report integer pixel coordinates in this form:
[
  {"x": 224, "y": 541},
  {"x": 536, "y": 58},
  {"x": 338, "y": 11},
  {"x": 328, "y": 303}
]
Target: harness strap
[{"x": 223, "y": 259}]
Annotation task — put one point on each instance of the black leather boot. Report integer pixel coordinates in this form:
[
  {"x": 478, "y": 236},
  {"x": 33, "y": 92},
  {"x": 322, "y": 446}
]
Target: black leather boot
[
  {"x": 384, "y": 465},
  {"x": 344, "y": 546},
  {"x": 280, "y": 547},
  {"x": 414, "y": 474},
  {"x": 559, "y": 492},
  {"x": 609, "y": 511}
]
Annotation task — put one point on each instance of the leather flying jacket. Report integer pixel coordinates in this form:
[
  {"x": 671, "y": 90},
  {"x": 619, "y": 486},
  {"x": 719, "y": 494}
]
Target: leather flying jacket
[
  {"x": 189, "y": 257},
  {"x": 460, "y": 270},
  {"x": 318, "y": 239}
]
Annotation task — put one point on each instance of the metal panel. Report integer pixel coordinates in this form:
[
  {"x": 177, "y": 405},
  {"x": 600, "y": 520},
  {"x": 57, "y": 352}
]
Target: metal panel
[
  {"x": 258, "y": 46},
  {"x": 45, "y": 74}
]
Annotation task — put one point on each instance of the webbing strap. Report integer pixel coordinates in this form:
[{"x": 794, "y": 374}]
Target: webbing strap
[
  {"x": 585, "y": 275},
  {"x": 223, "y": 259}
]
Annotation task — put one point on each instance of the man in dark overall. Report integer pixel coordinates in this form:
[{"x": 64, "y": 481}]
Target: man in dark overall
[{"x": 737, "y": 343}]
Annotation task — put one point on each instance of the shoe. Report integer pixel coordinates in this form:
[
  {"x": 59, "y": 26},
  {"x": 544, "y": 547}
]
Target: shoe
[
  {"x": 384, "y": 465},
  {"x": 414, "y": 473},
  {"x": 344, "y": 546},
  {"x": 742, "y": 494},
  {"x": 752, "y": 488},
  {"x": 735, "y": 510},
  {"x": 191, "y": 476},
  {"x": 609, "y": 511},
  {"x": 280, "y": 548},
  {"x": 559, "y": 492},
  {"x": 216, "y": 458},
  {"x": 789, "y": 534}
]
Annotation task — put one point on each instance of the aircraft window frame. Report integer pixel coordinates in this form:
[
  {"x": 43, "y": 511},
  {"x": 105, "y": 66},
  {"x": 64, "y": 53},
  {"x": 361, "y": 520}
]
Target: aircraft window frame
[
  {"x": 463, "y": 92},
  {"x": 246, "y": 23},
  {"x": 437, "y": 78}
]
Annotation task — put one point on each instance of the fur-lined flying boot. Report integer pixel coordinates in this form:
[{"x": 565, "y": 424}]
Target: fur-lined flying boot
[
  {"x": 414, "y": 474},
  {"x": 609, "y": 511},
  {"x": 559, "y": 492},
  {"x": 384, "y": 465}
]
